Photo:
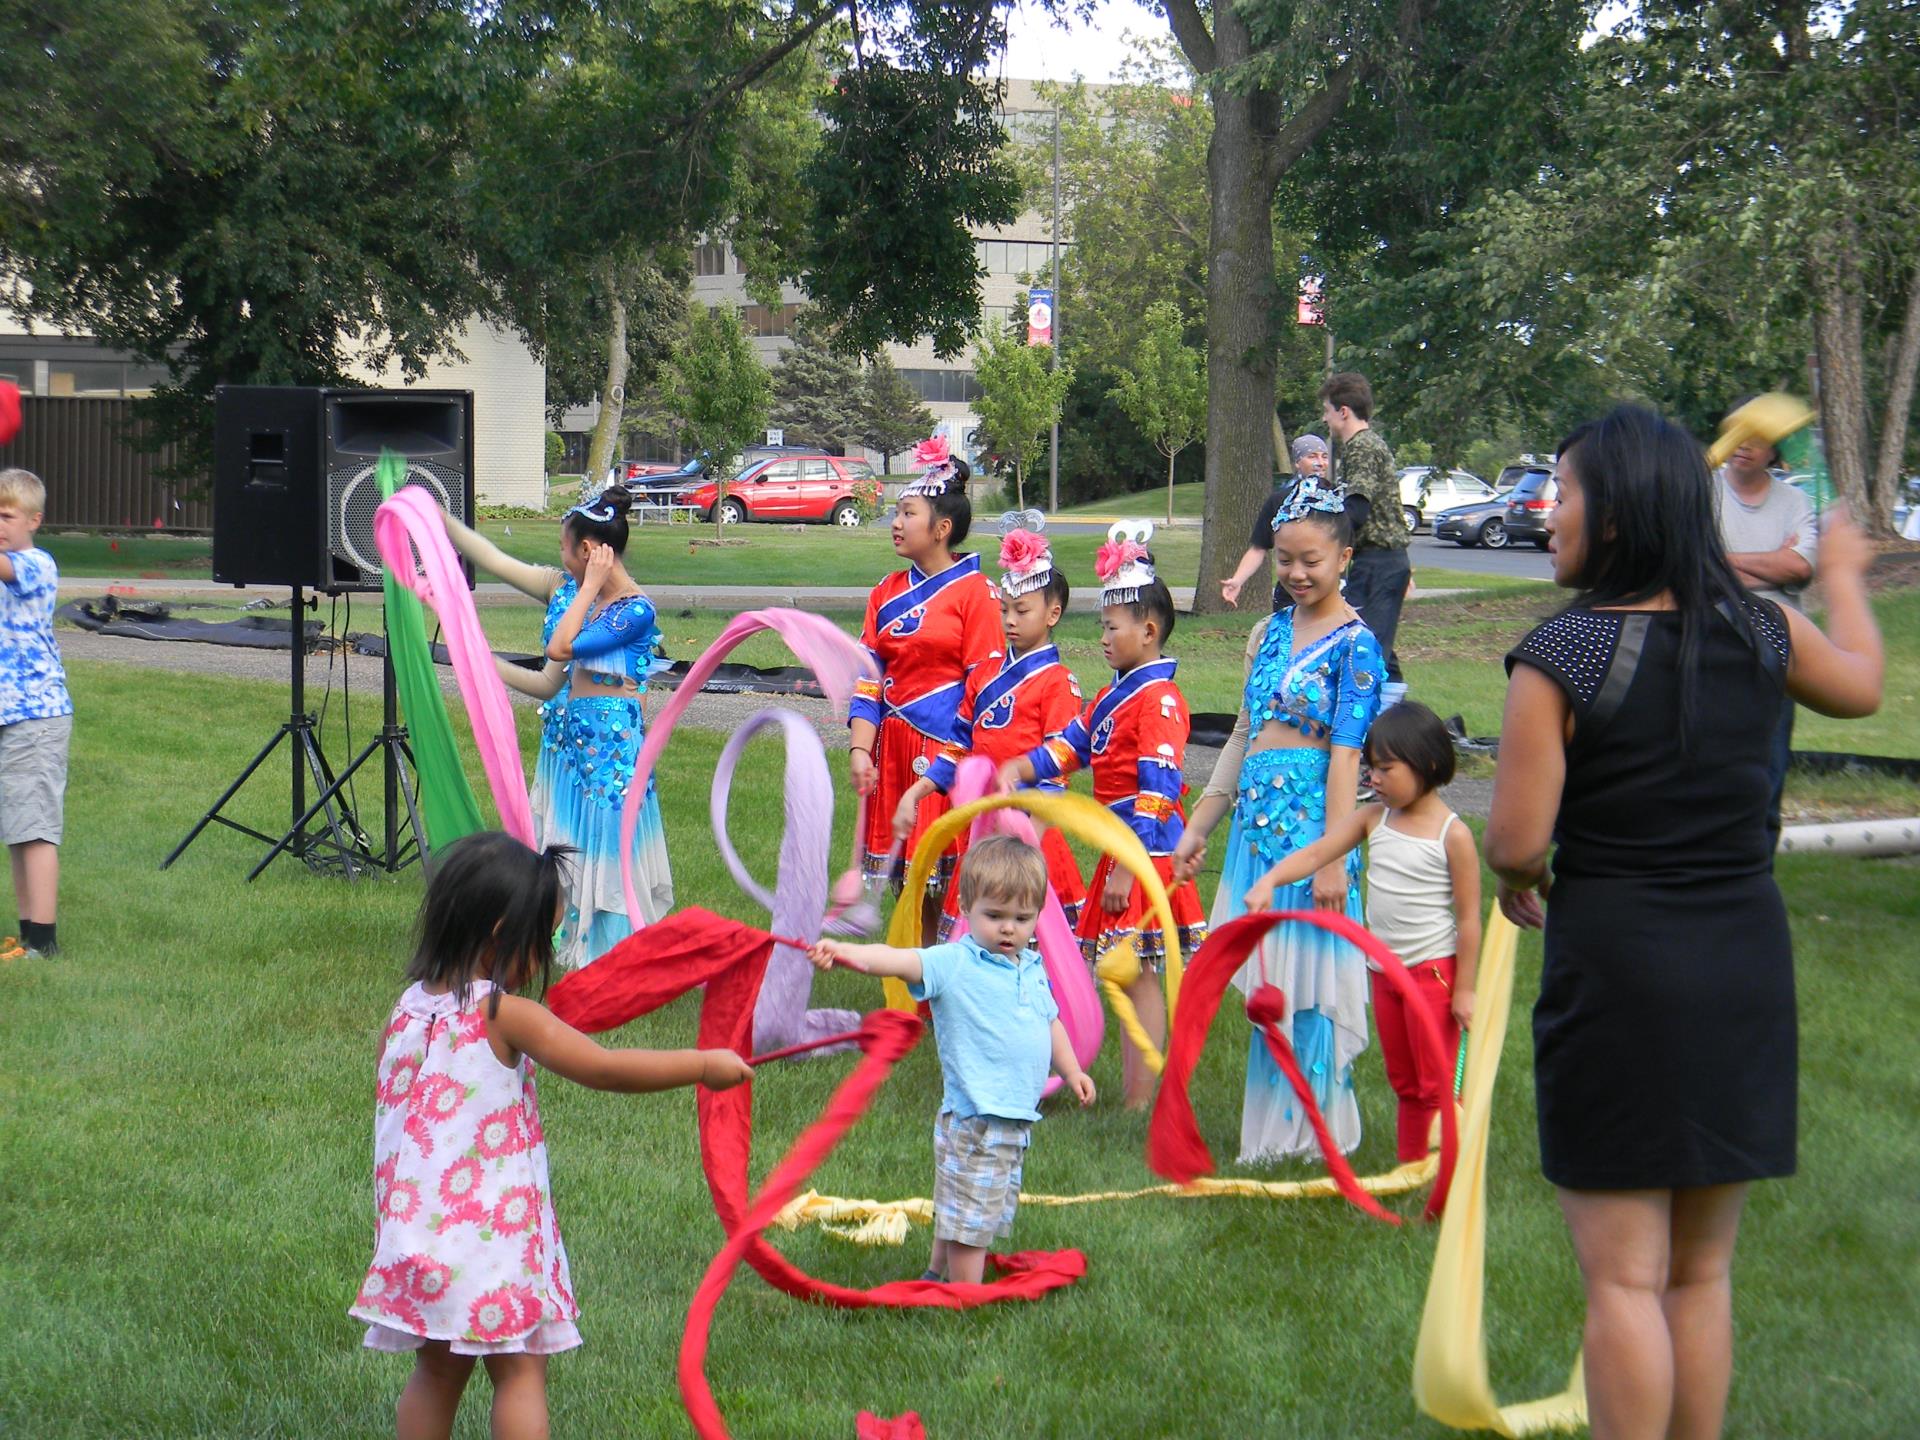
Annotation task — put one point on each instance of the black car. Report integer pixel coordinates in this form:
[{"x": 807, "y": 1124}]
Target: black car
[
  {"x": 1481, "y": 523},
  {"x": 1528, "y": 506},
  {"x": 1485, "y": 522}
]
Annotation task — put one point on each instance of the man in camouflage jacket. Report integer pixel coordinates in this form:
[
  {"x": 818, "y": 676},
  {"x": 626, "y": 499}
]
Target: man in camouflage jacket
[{"x": 1363, "y": 465}]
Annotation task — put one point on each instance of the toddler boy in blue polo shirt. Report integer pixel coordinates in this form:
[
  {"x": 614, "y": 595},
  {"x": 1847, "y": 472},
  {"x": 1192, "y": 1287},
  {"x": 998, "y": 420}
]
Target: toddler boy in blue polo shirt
[{"x": 999, "y": 1032}]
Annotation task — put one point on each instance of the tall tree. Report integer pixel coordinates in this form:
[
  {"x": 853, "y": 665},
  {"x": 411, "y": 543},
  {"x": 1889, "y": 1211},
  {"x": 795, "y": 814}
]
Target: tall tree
[
  {"x": 892, "y": 415},
  {"x": 1281, "y": 78},
  {"x": 818, "y": 389},
  {"x": 1021, "y": 393},
  {"x": 241, "y": 190},
  {"x": 720, "y": 390},
  {"x": 1165, "y": 389}
]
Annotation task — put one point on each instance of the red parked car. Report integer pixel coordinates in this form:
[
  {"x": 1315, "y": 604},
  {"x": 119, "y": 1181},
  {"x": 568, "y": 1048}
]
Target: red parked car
[{"x": 789, "y": 488}]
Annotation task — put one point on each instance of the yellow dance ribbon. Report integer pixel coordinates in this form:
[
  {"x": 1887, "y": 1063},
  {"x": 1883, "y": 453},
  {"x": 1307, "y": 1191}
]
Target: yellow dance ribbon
[
  {"x": 1768, "y": 418},
  {"x": 1084, "y": 819},
  {"x": 1450, "y": 1380},
  {"x": 888, "y": 1222}
]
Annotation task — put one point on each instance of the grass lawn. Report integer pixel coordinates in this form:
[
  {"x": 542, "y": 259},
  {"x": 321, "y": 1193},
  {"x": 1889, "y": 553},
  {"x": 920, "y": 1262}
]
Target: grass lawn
[
  {"x": 184, "y": 1175},
  {"x": 1189, "y": 502}
]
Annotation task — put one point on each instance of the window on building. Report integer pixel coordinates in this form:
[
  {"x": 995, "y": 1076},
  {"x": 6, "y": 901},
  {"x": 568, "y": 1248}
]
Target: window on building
[
  {"x": 953, "y": 386},
  {"x": 710, "y": 259},
  {"x": 764, "y": 323},
  {"x": 84, "y": 377}
]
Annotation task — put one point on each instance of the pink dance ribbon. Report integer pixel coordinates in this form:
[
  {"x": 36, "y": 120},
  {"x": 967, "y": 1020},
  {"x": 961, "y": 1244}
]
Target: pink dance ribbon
[
  {"x": 408, "y": 524},
  {"x": 836, "y": 660},
  {"x": 1067, "y": 971}
]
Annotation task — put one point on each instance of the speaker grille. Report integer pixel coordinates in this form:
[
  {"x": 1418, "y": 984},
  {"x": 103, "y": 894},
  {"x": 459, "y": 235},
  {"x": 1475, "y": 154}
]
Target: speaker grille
[{"x": 353, "y": 494}]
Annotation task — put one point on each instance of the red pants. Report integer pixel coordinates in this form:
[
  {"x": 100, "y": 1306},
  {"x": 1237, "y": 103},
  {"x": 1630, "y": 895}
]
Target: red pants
[{"x": 1421, "y": 1094}]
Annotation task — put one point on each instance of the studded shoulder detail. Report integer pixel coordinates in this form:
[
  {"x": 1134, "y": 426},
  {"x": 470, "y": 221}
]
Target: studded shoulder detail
[
  {"x": 1574, "y": 648},
  {"x": 1770, "y": 623}
]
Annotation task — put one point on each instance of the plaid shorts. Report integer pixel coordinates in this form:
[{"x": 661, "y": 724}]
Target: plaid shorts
[{"x": 976, "y": 1176}]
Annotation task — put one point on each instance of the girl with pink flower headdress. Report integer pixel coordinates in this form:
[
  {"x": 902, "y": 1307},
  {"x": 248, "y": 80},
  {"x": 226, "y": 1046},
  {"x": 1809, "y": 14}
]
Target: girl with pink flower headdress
[
  {"x": 467, "y": 1259},
  {"x": 927, "y": 628},
  {"x": 1013, "y": 702},
  {"x": 1134, "y": 739}
]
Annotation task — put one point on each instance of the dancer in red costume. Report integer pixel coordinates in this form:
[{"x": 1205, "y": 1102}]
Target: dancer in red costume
[
  {"x": 1013, "y": 703},
  {"x": 927, "y": 627},
  {"x": 1134, "y": 737}
]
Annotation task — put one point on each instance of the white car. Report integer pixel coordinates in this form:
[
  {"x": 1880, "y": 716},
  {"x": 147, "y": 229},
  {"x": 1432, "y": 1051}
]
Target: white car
[{"x": 1425, "y": 492}]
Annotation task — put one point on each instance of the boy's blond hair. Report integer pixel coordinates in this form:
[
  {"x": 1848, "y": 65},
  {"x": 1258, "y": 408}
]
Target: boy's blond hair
[
  {"x": 1005, "y": 869},
  {"x": 23, "y": 490}
]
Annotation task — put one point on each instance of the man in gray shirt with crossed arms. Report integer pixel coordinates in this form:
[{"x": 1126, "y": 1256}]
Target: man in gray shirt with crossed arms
[{"x": 1770, "y": 532}]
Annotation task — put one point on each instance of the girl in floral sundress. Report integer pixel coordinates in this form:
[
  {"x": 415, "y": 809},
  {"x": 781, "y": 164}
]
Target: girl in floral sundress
[{"x": 467, "y": 1256}]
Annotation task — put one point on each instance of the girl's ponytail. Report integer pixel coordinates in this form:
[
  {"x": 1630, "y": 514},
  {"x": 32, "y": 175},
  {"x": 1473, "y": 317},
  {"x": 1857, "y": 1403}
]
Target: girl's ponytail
[{"x": 489, "y": 909}]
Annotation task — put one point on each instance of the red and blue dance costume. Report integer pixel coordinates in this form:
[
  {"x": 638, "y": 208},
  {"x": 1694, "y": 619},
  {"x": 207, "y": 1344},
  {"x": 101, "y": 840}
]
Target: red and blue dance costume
[
  {"x": 1012, "y": 704},
  {"x": 1134, "y": 737},
  {"x": 926, "y": 633}
]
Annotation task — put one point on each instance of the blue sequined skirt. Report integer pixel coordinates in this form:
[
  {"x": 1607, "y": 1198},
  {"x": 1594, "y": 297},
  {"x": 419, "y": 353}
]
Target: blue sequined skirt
[
  {"x": 1281, "y": 807},
  {"x": 588, "y": 749}
]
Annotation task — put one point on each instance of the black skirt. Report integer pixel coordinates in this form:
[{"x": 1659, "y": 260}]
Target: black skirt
[{"x": 1665, "y": 1043}]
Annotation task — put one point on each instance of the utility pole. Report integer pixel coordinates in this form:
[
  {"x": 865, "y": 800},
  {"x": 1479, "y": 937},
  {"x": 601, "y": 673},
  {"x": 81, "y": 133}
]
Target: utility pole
[{"x": 1053, "y": 435}]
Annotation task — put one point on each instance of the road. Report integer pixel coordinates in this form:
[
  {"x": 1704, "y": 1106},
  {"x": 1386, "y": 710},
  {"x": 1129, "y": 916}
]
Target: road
[{"x": 1522, "y": 561}]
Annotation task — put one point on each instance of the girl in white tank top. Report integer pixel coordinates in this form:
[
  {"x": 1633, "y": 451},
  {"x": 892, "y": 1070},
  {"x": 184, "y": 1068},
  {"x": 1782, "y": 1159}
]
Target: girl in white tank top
[{"x": 1423, "y": 901}]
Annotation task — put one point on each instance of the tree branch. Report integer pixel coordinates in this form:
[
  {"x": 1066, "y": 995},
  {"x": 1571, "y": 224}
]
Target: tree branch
[
  {"x": 744, "y": 77},
  {"x": 1190, "y": 29},
  {"x": 1309, "y": 121}
]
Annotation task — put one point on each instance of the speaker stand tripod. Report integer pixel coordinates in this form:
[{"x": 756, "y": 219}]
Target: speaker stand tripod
[{"x": 326, "y": 835}]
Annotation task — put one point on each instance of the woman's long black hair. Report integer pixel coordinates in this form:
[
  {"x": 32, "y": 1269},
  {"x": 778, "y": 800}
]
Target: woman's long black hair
[
  {"x": 1650, "y": 529},
  {"x": 490, "y": 906}
]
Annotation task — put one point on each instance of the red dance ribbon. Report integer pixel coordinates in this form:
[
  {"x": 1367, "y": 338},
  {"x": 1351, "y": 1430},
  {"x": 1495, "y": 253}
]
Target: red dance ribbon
[
  {"x": 1175, "y": 1148},
  {"x": 869, "y": 1426},
  {"x": 694, "y": 947}
]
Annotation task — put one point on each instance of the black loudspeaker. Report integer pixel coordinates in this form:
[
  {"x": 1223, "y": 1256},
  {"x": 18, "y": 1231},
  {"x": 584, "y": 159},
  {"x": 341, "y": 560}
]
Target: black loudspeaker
[{"x": 294, "y": 489}]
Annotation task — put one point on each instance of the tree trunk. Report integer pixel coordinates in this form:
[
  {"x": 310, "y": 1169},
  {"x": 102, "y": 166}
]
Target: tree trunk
[
  {"x": 1900, "y": 381},
  {"x": 613, "y": 394},
  {"x": 1170, "y": 455},
  {"x": 1834, "y": 267},
  {"x": 1019, "y": 486},
  {"x": 1241, "y": 297}
]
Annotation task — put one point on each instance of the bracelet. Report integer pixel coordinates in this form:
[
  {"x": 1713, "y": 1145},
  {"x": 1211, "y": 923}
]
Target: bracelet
[{"x": 861, "y": 750}]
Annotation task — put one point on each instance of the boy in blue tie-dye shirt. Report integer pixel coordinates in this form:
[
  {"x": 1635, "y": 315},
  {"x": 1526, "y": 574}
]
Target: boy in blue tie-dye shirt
[{"x": 36, "y": 715}]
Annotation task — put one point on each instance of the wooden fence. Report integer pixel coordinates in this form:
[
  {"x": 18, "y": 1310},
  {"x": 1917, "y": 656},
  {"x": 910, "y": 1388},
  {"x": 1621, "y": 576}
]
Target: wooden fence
[{"x": 96, "y": 477}]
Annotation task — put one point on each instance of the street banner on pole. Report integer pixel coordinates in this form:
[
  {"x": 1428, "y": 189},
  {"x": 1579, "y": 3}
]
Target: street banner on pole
[{"x": 1039, "y": 317}]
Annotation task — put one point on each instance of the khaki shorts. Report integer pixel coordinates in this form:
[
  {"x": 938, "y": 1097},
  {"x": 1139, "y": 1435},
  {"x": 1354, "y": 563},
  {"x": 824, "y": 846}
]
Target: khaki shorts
[{"x": 33, "y": 779}]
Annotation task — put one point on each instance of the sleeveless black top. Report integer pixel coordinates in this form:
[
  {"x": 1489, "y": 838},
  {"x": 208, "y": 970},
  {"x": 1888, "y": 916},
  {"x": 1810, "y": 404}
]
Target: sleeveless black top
[{"x": 1637, "y": 803}]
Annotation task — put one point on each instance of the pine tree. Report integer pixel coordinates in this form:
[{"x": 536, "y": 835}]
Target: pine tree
[
  {"x": 817, "y": 389},
  {"x": 891, "y": 415}
]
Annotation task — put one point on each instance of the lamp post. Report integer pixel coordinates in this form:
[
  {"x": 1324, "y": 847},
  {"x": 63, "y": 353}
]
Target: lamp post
[{"x": 1053, "y": 434}]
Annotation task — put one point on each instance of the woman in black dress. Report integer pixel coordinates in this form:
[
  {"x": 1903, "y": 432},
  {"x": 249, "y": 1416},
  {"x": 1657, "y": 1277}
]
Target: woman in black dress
[{"x": 1635, "y": 741}]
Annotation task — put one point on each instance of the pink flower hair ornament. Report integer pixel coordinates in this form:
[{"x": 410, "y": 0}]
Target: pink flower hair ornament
[
  {"x": 932, "y": 451},
  {"x": 1027, "y": 561},
  {"x": 1124, "y": 564},
  {"x": 1110, "y": 557}
]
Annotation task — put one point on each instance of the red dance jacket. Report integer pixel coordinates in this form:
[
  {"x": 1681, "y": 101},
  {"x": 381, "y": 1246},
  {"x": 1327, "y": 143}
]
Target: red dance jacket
[
  {"x": 926, "y": 633},
  {"x": 1013, "y": 703},
  {"x": 1134, "y": 735}
]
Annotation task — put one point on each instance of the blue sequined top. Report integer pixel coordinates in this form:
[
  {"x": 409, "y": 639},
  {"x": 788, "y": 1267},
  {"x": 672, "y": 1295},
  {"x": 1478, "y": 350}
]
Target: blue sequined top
[
  {"x": 1330, "y": 690},
  {"x": 620, "y": 640}
]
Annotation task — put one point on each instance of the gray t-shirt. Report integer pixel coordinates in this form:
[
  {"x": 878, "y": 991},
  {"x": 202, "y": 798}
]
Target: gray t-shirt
[{"x": 1783, "y": 512}]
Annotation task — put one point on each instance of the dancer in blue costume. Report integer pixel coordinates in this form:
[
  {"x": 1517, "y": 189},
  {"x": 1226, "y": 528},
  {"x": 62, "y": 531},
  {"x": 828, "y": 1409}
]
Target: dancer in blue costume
[
  {"x": 602, "y": 637},
  {"x": 1313, "y": 680}
]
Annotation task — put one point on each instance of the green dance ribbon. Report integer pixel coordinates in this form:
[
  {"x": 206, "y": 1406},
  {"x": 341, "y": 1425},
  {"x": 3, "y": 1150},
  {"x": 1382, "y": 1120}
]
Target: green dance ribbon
[{"x": 447, "y": 806}]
